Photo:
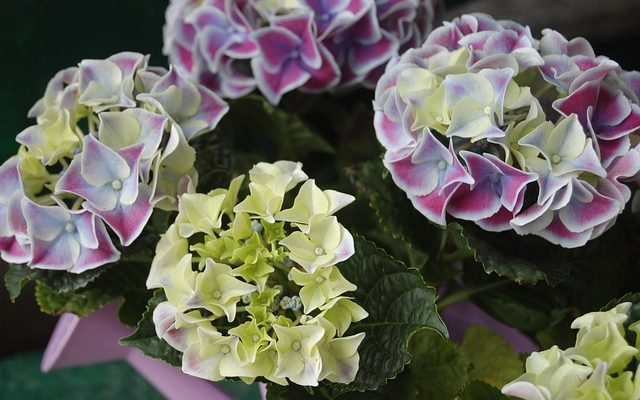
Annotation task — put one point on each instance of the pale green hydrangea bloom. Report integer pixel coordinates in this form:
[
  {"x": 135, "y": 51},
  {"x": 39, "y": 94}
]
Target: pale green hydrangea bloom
[
  {"x": 595, "y": 368},
  {"x": 254, "y": 288}
]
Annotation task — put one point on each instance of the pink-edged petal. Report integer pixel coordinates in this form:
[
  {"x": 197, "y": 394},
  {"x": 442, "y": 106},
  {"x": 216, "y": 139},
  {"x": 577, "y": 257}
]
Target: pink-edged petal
[
  {"x": 325, "y": 77},
  {"x": 548, "y": 183},
  {"x": 72, "y": 181},
  {"x": 301, "y": 25},
  {"x": 473, "y": 204},
  {"x": 59, "y": 254},
  {"x": 129, "y": 190},
  {"x": 274, "y": 85},
  {"x": 44, "y": 223},
  {"x": 12, "y": 251},
  {"x": 434, "y": 205},
  {"x": 364, "y": 58},
  {"x": 498, "y": 222},
  {"x": 587, "y": 208},
  {"x": 512, "y": 182},
  {"x": 612, "y": 108},
  {"x": 127, "y": 221},
  {"x": 276, "y": 47},
  {"x": 214, "y": 42},
  {"x": 100, "y": 164},
  {"x": 612, "y": 149},
  {"x": 622, "y": 168},
  {"x": 557, "y": 233},
  {"x": 629, "y": 125},
  {"x": 390, "y": 134},
  {"x": 366, "y": 30},
  {"x": 85, "y": 223},
  {"x": 243, "y": 48},
  {"x": 105, "y": 252},
  {"x": 211, "y": 110}
]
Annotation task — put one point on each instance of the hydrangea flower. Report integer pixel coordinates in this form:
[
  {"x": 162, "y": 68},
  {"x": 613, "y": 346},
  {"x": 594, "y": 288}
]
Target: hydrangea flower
[
  {"x": 596, "y": 368},
  {"x": 486, "y": 123},
  {"x": 110, "y": 143},
  {"x": 253, "y": 285},
  {"x": 277, "y": 46}
]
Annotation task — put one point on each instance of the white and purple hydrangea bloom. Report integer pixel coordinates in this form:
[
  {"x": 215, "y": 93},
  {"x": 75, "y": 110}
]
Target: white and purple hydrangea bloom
[
  {"x": 466, "y": 134},
  {"x": 234, "y": 47},
  {"x": 111, "y": 143}
]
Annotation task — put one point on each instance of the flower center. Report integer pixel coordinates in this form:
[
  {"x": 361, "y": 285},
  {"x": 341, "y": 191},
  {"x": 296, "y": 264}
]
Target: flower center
[
  {"x": 442, "y": 164},
  {"x": 295, "y": 54},
  {"x": 439, "y": 118},
  {"x": 487, "y": 110},
  {"x": 70, "y": 227},
  {"x": 116, "y": 185},
  {"x": 320, "y": 279},
  {"x": 555, "y": 159},
  {"x": 319, "y": 251},
  {"x": 217, "y": 295},
  {"x": 256, "y": 338},
  {"x": 256, "y": 226},
  {"x": 296, "y": 346},
  {"x": 224, "y": 349}
]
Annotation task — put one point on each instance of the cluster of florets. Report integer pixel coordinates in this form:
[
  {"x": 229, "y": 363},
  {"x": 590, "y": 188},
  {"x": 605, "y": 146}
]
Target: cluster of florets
[
  {"x": 598, "y": 367},
  {"x": 254, "y": 290},
  {"x": 109, "y": 145},
  {"x": 488, "y": 124},
  {"x": 232, "y": 46}
]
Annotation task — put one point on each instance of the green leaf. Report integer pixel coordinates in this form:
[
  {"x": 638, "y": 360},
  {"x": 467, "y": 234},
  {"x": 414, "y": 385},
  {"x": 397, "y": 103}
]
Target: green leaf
[
  {"x": 492, "y": 359},
  {"x": 513, "y": 309},
  {"x": 399, "y": 304},
  {"x": 526, "y": 259},
  {"x": 81, "y": 303},
  {"x": 477, "y": 390},
  {"x": 145, "y": 338},
  {"x": 16, "y": 277},
  {"x": 439, "y": 366},
  {"x": 395, "y": 213}
]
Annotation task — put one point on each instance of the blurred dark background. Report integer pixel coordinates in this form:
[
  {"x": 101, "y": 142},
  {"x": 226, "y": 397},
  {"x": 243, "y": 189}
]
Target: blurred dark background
[{"x": 40, "y": 37}]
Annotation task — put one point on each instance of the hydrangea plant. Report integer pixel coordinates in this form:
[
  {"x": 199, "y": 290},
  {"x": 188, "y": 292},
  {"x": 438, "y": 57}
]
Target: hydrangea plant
[
  {"x": 280, "y": 45},
  {"x": 597, "y": 367},
  {"x": 110, "y": 143},
  {"x": 253, "y": 285},
  {"x": 486, "y": 123}
]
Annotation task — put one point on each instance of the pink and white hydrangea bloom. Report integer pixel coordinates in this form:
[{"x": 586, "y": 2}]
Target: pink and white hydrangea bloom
[
  {"x": 488, "y": 124},
  {"x": 233, "y": 47},
  {"x": 115, "y": 132}
]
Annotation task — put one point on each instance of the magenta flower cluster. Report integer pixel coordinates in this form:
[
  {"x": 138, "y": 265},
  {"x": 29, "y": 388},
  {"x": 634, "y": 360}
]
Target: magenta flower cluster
[
  {"x": 110, "y": 144},
  {"x": 486, "y": 123},
  {"x": 234, "y": 46}
]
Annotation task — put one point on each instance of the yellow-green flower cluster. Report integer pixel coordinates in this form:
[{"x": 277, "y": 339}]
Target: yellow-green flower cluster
[
  {"x": 597, "y": 367},
  {"x": 253, "y": 286}
]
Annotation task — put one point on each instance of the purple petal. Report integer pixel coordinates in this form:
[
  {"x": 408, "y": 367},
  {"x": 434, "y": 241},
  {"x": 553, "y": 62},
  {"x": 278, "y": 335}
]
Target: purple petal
[
  {"x": 498, "y": 222},
  {"x": 364, "y": 58},
  {"x": 326, "y": 76},
  {"x": 558, "y": 234},
  {"x": 274, "y": 85},
  {"x": 301, "y": 26},
  {"x": 276, "y": 47},
  {"x": 630, "y": 124}
]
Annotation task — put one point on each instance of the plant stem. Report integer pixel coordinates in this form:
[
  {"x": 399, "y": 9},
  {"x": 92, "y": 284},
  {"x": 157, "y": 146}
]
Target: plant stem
[
  {"x": 465, "y": 293},
  {"x": 325, "y": 393},
  {"x": 457, "y": 255}
]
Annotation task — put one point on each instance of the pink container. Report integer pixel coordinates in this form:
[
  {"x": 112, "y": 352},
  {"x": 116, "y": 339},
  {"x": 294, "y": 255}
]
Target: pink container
[{"x": 80, "y": 341}]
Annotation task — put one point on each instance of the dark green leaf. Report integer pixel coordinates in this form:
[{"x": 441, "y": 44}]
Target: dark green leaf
[
  {"x": 522, "y": 259},
  {"x": 439, "y": 366},
  {"x": 477, "y": 390},
  {"x": 395, "y": 213},
  {"x": 492, "y": 358},
  {"x": 145, "y": 338},
  {"x": 15, "y": 277},
  {"x": 399, "y": 304},
  {"x": 82, "y": 302}
]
